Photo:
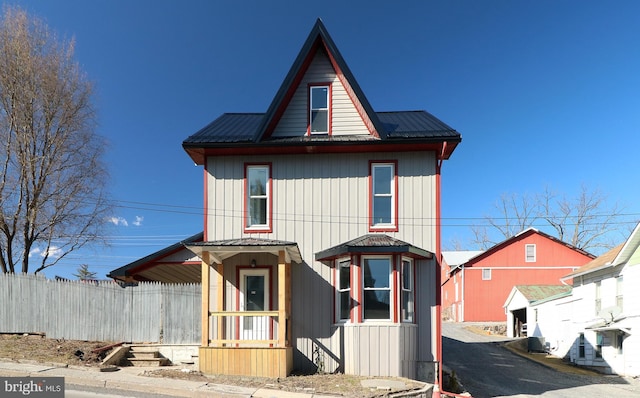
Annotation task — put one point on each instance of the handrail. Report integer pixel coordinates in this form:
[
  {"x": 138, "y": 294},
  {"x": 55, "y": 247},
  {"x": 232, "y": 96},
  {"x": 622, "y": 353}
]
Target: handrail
[{"x": 243, "y": 313}]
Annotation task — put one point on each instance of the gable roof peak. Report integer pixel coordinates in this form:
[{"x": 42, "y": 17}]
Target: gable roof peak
[{"x": 318, "y": 39}]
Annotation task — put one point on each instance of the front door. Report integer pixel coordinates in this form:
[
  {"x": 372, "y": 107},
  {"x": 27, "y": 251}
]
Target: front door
[{"x": 254, "y": 296}]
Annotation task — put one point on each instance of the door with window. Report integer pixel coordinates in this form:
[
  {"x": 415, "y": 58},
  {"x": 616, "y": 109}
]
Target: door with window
[{"x": 254, "y": 296}]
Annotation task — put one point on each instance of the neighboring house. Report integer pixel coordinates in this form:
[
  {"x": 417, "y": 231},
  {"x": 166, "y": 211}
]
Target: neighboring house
[
  {"x": 598, "y": 324},
  {"x": 453, "y": 283},
  {"x": 480, "y": 285},
  {"x": 173, "y": 264},
  {"x": 522, "y": 318},
  {"x": 321, "y": 245}
]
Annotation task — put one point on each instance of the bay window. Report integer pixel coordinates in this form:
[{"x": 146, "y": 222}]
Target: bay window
[
  {"x": 376, "y": 287},
  {"x": 343, "y": 287},
  {"x": 407, "y": 291}
]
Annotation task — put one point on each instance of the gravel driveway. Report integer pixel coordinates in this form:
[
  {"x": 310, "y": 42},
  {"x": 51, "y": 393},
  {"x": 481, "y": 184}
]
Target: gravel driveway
[{"x": 486, "y": 369}]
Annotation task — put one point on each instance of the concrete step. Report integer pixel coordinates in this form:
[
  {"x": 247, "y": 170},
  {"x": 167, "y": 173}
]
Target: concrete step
[
  {"x": 149, "y": 362},
  {"x": 144, "y": 354}
]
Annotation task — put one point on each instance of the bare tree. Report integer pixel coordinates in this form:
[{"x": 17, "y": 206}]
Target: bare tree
[
  {"x": 586, "y": 221},
  {"x": 516, "y": 213},
  {"x": 52, "y": 175}
]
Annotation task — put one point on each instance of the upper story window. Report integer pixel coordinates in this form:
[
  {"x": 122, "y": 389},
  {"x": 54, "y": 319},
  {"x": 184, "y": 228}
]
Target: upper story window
[
  {"x": 619, "y": 292},
  {"x": 598, "y": 287},
  {"x": 343, "y": 288},
  {"x": 376, "y": 278},
  {"x": 486, "y": 274},
  {"x": 383, "y": 201},
  {"x": 257, "y": 198},
  {"x": 407, "y": 291},
  {"x": 319, "y": 109},
  {"x": 530, "y": 253}
]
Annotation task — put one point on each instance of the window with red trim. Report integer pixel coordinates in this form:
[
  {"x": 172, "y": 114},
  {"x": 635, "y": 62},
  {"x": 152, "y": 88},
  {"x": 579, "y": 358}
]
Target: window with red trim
[
  {"x": 383, "y": 201},
  {"x": 380, "y": 295},
  {"x": 408, "y": 298},
  {"x": 257, "y": 198},
  {"x": 343, "y": 290},
  {"x": 376, "y": 288},
  {"x": 319, "y": 108}
]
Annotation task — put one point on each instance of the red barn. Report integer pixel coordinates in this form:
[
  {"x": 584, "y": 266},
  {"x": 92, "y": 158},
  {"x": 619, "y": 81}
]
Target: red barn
[{"x": 474, "y": 288}]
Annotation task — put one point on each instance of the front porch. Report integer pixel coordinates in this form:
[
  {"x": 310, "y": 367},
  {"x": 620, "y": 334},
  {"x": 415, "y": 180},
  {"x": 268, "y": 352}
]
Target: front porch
[{"x": 243, "y": 333}]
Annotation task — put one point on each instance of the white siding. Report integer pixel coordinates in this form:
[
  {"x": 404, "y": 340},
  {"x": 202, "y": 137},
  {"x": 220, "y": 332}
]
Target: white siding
[
  {"x": 320, "y": 201},
  {"x": 345, "y": 117}
]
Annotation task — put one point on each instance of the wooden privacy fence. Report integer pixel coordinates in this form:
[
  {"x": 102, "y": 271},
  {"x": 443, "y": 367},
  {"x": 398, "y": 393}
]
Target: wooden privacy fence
[{"x": 103, "y": 311}]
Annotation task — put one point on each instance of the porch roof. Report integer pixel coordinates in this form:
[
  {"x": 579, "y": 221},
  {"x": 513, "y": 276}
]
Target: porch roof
[
  {"x": 373, "y": 244},
  {"x": 621, "y": 324},
  {"x": 220, "y": 250}
]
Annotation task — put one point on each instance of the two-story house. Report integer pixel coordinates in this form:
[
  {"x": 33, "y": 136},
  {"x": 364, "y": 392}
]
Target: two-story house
[
  {"x": 321, "y": 229},
  {"x": 603, "y": 312}
]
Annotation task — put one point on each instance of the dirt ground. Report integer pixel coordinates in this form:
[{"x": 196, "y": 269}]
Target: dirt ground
[{"x": 36, "y": 348}]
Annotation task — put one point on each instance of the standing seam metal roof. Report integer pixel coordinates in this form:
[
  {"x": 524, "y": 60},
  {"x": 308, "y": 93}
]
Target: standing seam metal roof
[{"x": 243, "y": 127}]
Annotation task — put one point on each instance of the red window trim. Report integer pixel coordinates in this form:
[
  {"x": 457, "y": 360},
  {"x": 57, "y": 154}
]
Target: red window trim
[
  {"x": 386, "y": 228},
  {"x": 329, "y": 104},
  {"x": 269, "y": 228},
  {"x": 412, "y": 266}
]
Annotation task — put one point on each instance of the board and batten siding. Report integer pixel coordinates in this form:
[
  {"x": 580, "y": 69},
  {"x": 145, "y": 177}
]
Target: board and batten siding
[
  {"x": 320, "y": 201},
  {"x": 345, "y": 117}
]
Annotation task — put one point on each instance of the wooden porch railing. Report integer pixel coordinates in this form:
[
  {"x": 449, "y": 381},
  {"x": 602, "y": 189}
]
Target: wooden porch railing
[{"x": 248, "y": 329}]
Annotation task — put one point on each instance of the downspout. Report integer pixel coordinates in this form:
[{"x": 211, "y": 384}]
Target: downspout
[{"x": 438, "y": 388}]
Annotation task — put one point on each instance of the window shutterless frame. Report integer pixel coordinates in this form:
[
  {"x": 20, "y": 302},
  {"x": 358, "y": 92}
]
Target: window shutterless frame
[
  {"x": 530, "y": 253},
  {"x": 406, "y": 286},
  {"x": 319, "y": 108},
  {"x": 343, "y": 290},
  {"x": 377, "y": 288},
  {"x": 383, "y": 196},
  {"x": 257, "y": 198}
]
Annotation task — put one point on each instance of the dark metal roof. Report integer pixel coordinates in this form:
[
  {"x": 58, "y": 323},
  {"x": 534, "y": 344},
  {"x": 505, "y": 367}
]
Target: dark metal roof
[
  {"x": 125, "y": 270},
  {"x": 228, "y": 128},
  {"x": 372, "y": 244},
  {"x": 244, "y": 242},
  {"x": 223, "y": 249},
  {"x": 415, "y": 124},
  {"x": 234, "y": 128}
]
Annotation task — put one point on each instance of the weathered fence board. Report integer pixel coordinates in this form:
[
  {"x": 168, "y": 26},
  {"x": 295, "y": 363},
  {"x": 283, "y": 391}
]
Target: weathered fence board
[{"x": 105, "y": 311}]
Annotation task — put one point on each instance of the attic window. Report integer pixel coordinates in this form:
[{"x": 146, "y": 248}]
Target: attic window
[
  {"x": 530, "y": 253},
  {"x": 319, "y": 108}
]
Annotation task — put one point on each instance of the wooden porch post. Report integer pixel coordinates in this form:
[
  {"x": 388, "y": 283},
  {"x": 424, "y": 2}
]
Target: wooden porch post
[
  {"x": 220, "y": 286},
  {"x": 206, "y": 277},
  {"x": 284, "y": 301}
]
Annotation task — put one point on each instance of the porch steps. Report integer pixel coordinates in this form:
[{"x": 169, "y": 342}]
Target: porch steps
[{"x": 146, "y": 356}]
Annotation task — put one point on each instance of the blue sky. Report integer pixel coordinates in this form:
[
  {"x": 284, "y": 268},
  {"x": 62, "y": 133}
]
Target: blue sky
[{"x": 544, "y": 93}]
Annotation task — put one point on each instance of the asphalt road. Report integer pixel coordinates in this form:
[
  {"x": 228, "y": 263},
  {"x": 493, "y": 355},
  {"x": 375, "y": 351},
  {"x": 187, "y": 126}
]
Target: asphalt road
[
  {"x": 74, "y": 391},
  {"x": 485, "y": 369}
]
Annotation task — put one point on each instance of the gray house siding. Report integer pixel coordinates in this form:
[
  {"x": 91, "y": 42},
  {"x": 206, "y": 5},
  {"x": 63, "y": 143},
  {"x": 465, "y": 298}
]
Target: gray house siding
[{"x": 320, "y": 201}]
